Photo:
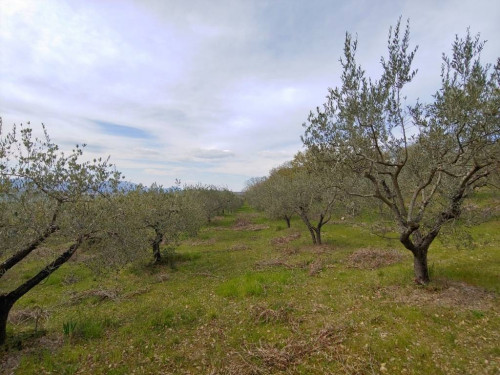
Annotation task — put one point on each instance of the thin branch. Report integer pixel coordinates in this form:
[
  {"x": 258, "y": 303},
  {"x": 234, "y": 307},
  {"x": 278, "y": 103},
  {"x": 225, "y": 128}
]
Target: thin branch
[
  {"x": 417, "y": 192},
  {"x": 425, "y": 202}
]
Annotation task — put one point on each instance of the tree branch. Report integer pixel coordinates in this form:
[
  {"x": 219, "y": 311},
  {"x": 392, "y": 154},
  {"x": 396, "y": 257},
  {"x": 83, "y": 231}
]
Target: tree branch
[
  {"x": 45, "y": 272},
  {"x": 21, "y": 254}
]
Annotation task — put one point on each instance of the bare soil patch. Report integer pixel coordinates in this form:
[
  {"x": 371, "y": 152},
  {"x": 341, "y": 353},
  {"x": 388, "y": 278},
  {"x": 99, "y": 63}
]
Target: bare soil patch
[
  {"x": 245, "y": 223},
  {"x": 250, "y": 227},
  {"x": 10, "y": 360},
  {"x": 317, "y": 249},
  {"x": 288, "y": 251},
  {"x": 444, "y": 293},
  {"x": 316, "y": 267},
  {"x": 371, "y": 258},
  {"x": 285, "y": 239}
]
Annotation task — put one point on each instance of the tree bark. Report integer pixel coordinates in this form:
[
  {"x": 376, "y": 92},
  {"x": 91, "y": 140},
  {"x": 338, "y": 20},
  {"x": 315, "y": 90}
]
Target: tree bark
[
  {"x": 318, "y": 235},
  {"x": 313, "y": 235},
  {"x": 420, "y": 267},
  {"x": 321, "y": 222},
  {"x": 9, "y": 299},
  {"x": 156, "y": 246},
  {"x": 23, "y": 253},
  {"x": 5, "y": 306},
  {"x": 287, "y": 218},
  {"x": 315, "y": 232}
]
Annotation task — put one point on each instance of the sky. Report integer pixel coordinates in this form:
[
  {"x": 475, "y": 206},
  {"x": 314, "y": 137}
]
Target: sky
[{"x": 211, "y": 92}]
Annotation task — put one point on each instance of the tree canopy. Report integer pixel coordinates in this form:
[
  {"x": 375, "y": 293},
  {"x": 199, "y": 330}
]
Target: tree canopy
[
  {"x": 46, "y": 193},
  {"x": 420, "y": 160}
]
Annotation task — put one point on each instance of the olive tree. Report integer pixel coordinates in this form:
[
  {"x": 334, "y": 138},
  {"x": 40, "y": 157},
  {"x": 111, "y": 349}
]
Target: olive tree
[
  {"x": 214, "y": 200},
  {"x": 296, "y": 188},
  {"x": 272, "y": 195},
  {"x": 315, "y": 198},
  {"x": 45, "y": 192},
  {"x": 422, "y": 160},
  {"x": 162, "y": 216}
]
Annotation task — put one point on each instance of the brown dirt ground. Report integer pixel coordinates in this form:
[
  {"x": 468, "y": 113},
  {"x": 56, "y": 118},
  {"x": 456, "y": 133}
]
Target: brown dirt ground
[
  {"x": 444, "y": 293},
  {"x": 285, "y": 239}
]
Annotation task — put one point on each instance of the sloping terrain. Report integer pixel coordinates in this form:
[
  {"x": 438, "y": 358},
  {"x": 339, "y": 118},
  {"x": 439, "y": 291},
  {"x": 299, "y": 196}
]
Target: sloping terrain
[{"x": 251, "y": 297}]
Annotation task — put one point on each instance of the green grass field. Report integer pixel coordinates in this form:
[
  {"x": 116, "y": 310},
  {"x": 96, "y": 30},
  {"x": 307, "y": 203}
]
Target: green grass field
[{"x": 251, "y": 297}]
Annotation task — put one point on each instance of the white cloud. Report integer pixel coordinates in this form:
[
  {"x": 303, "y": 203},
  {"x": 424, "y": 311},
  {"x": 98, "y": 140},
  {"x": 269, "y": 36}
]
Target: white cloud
[
  {"x": 220, "y": 88},
  {"x": 212, "y": 154}
]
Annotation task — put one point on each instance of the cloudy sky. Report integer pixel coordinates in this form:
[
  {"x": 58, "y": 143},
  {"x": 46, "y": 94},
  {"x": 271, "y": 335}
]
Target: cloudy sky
[{"x": 204, "y": 91}]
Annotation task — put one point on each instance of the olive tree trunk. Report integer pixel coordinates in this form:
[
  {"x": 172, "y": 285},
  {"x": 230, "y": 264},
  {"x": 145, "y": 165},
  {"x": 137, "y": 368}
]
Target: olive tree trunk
[
  {"x": 287, "y": 219},
  {"x": 9, "y": 299},
  {"x": 156, "y": 246},
  {"x": 5, "y": 306},
  {"x": 419, "y": 244},
  {"x": 420, "y": 267},
  {"x": 314, "y": 231}
]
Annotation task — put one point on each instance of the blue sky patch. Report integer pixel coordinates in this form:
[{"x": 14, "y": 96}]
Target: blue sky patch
[{"x": 122, "y": 130}]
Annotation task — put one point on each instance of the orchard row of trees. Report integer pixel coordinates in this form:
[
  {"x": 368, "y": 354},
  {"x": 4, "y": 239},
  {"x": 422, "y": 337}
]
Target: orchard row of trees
[
  {"x": 298, "y": 188},
  {"x": 49, "y": 196},
  {"x": 421, "y": 161}
]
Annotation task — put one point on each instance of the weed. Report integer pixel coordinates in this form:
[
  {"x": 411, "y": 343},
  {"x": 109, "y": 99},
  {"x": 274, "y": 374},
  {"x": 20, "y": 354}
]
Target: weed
[
  {"x": 69, "y": 328},
  {"x": 477, "y": 314},
  {"x": 89, "y": 329}
]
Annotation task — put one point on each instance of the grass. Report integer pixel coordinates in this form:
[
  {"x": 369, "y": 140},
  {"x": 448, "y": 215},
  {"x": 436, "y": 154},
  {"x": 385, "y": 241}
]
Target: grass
[{"x": 250, "y": 296}]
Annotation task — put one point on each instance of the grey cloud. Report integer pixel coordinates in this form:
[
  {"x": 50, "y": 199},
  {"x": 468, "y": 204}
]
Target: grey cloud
[
  {"x": 212, "y": 154},
  {"x": 203, "y": 78}
]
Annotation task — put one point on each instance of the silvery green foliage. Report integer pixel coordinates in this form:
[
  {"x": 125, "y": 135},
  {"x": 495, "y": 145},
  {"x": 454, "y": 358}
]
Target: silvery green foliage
[
  {"x": 214, "y": 200},
  {"x": 49, "y": 194},
  {"x": 420, "y": 160},
  {"x": 159, "y": 216},
  {"x": 55, "y": 199},
  {"x": 298, "y": 188},
  {"x": 272, "y": 194}
]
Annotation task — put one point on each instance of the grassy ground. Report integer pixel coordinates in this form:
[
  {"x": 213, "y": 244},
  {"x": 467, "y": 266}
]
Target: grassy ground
[{"x": 252, "y": 297}]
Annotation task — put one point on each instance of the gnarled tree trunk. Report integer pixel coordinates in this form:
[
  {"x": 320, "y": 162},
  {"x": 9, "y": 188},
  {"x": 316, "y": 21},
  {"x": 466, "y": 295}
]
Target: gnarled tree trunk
[
  {"x": 314, "y": 231},
  {"x": 419, "y": 245},
  {"x": 420, "y": 266}
]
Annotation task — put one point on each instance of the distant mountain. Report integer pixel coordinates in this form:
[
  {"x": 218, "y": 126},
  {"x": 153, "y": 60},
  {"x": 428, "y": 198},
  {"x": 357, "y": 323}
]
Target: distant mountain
[{"x": 123, "y": 186}]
